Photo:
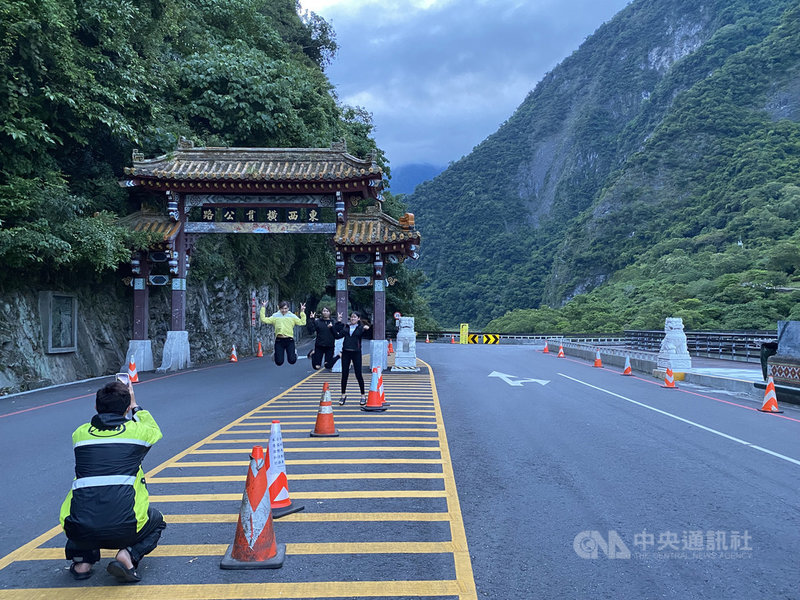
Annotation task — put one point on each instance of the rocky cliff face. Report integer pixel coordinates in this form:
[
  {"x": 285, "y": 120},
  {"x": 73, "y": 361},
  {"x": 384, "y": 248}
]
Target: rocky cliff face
[{"x": 218, "y": 315}]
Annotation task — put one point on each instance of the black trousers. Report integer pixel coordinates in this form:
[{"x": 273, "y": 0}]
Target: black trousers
[
  {"x": 321, "y": 352},
  {"x": 351, "y": 356},
  {"x": 138, "y": 545},
  {"x": 285, "y": 346}
]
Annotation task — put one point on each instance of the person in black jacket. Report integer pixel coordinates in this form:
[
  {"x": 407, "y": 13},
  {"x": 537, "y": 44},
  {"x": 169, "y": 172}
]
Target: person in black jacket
[
  {"x": 324, "y": 343},
  {"x": 108, "y": 505},
  {"x": 351, "y": 351}
]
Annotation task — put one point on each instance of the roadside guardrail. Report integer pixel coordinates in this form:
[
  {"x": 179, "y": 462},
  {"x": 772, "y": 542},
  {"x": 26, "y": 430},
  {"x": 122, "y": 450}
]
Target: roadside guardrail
[{"x": 742, "y": 346}]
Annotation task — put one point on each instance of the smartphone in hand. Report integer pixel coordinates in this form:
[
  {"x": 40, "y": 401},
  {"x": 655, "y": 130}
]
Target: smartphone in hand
[{"x": 124, "y": 378}]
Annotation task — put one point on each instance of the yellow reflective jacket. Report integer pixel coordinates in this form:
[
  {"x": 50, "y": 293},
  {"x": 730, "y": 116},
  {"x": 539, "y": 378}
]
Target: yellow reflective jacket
[
  {"x": 109, "y": 498},
  {"x": 284, "y": 324}
]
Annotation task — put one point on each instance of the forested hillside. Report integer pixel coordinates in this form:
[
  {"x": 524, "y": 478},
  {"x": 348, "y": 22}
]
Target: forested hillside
[
  {"x": 653, "y": 173},
  {"x": 87, "y": 81}
]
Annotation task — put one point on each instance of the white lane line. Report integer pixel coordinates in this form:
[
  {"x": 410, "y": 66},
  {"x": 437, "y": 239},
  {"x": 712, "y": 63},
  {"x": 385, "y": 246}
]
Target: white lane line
[{"x": 676, "y": 417}]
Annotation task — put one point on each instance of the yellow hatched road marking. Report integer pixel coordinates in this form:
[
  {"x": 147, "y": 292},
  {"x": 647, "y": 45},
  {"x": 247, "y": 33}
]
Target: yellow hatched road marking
[
  {"x": 340, "y": 429},
  {"x": 354, "y": 420},
  {"x": 307, "y": 440},
  {"x": 328, "y": 449},
  {"x": 172, "y": 550},
  {"x": 298, "y": 477},
  {"x": 249, "y": 591},
  {"x": 321, "y": 461},
  {"x": 330, "y": 495},
  {"x": 308, "y": 517},
  {"x": 463, "y": 586}
]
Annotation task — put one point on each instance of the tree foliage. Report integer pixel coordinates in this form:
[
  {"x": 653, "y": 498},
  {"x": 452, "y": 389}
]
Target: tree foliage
[{"x": 87, "y": 81}]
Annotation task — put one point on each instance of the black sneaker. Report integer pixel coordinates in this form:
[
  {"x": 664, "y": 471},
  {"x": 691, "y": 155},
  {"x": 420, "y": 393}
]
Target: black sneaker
[{"x": 122, "y": 573}]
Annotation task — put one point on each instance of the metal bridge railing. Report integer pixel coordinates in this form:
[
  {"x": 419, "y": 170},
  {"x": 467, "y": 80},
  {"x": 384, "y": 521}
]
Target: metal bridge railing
[{"x": 729, "y": 345}]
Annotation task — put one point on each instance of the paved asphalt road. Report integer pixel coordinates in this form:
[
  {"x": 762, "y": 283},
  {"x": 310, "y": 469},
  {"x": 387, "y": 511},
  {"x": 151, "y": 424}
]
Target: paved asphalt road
[{"x": 558, "y": 466}]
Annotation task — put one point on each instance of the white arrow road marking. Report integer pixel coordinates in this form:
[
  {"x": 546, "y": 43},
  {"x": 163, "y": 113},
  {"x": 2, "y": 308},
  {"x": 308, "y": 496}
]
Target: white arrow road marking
[{"x": 513, "y": 380}]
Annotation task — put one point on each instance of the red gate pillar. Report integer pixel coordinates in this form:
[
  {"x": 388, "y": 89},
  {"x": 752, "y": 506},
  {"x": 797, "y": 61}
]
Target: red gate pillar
[
  {"x": 178, "y": 320},
  {"x": 379, "y": 300},
  {"x": 341, "y": 286},
  {"x": 379, "y": 347},
  {"x": 176, "y": 347},
  {"x": 141, "y": 296}
]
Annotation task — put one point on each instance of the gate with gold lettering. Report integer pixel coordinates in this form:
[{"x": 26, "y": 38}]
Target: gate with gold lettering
[{"x": 260, "y": 191}]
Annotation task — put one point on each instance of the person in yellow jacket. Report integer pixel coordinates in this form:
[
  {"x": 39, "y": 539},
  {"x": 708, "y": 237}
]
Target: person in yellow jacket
[
  {"x": 284, "y": 322},
  {"x": 108, "y": 505}
]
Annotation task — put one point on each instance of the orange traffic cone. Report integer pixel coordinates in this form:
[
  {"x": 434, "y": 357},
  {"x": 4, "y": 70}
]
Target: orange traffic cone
[
  {"x": 276, "y": 476},
  {"x": 259, "y": 353},
  {"x": 627, "y": 370},
  {"x": 770, "y": 398},
  {"x": 380, "y": 388},
  {"x": 452, "y": 339},
  {"x": 546, "y": 349},
  {"x": 427, "y": 339},
  {"x": 133, "y": 374},
  {"x": 234, "y": 358},
  {"x": 254, "y": 545},
  {"x": 669, "y": 380},
  {"x": 324, "y": 426},
  {"x": 597, "y": 360},
  {"x": 374, "y": 403},
  {"x": 391, "y": 349},
  {"x": 560, "y": 351}
]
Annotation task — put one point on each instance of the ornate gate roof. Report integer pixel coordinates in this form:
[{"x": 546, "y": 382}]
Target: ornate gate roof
[
  {"x": 375, "y": 231},
  {"x": 258, "y": 170}
]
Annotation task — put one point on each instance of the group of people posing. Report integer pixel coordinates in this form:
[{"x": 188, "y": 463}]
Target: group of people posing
[{"x": 327, "y": 332}]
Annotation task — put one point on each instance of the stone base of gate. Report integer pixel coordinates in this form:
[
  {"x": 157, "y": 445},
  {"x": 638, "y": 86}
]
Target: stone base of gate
[
  {"x": 142, "y": 352},
  {"x": 176, "y": 352}
]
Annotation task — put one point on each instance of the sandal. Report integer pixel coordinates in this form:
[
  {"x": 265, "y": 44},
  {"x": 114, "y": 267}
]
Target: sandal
[
  {"x": 343, "y": 399},
  {"x": 122, "y": 573},
  {"x": 363, "y": 400},
  {"x": 77, "y": 574}
]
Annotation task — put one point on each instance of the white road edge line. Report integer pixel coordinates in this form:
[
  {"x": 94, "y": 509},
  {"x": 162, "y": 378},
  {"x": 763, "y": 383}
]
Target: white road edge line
[{"x": 703, "y": 427}]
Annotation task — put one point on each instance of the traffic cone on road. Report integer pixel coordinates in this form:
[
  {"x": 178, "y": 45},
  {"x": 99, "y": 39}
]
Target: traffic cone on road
[
  {"x": 452, "y": 339},
  {"x": 427, "y": 339},
  {"x": 254, "y": 545},
  {"x": 259, "y": 353},
  {"x": 133, "y": 374},
  {"x": 546, "y": 349},
  {"x": 391, "y": 349},
  {"x": 374, "y": 403},
  {"x": 669, "y": 380},
  {"x": 234, "y": 358},
  {"x": 627, "y": 370},
  {"x": 381, "y": 394},
  {"x": 770, "y": 398},
  {"x": 324, "y": 426},
  {"x": 276, "y": 476},
  {"x": 597, "y": 360},
  {"x": 560, "y": 351}
]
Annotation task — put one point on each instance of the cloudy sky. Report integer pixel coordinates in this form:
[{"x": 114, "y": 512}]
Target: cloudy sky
[{"x": 439, "y": 76}]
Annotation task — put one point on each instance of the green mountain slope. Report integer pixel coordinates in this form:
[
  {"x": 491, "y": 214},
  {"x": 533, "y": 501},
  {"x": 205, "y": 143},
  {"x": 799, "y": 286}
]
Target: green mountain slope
[{"x": 619, "y": 190}]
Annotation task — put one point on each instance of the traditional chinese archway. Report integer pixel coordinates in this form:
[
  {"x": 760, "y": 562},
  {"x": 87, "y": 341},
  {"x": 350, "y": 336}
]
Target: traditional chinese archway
[{"x": 260, "y": 191}]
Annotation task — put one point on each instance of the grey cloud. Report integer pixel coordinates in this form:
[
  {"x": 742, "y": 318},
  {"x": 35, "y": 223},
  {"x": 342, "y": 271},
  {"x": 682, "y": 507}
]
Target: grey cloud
[{"x": 441, "y": 81}]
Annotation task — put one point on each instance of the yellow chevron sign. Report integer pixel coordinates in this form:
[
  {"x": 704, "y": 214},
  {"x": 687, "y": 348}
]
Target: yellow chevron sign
[
  {"x": 491, "y": 338},
  {"x": 474, "y": 338}
]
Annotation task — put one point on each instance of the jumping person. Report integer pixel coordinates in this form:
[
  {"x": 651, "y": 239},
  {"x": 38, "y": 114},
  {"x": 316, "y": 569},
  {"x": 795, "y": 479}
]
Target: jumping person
[
  {"x": 324, "y": 343},
  {"x": 351, "y": 351},
  {"x": 108, "y": 505},
  {"x": 284, "y": 323}
]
